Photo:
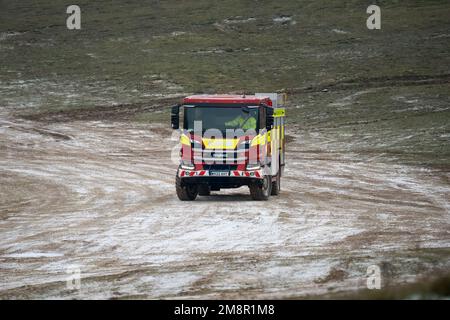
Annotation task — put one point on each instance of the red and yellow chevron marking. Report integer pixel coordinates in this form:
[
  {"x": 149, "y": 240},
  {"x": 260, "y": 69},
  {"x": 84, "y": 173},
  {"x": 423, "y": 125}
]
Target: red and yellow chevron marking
[{"x": 234, "y": 173}]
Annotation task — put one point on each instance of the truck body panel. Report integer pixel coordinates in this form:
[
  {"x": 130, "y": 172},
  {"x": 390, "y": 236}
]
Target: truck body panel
[{"x": 229, "y": 153}]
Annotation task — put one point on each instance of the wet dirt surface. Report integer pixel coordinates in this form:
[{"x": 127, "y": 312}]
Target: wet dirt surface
[{"x": 100, "y": 196}]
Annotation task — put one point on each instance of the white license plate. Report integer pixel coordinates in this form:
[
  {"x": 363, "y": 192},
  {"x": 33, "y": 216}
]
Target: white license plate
[{"x": 219, "y": 173}]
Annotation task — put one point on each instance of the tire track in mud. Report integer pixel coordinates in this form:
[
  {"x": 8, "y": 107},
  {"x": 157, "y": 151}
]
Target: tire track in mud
[
  {"x": 375, "y": 82},
  {"x": 104, "y": 200}
]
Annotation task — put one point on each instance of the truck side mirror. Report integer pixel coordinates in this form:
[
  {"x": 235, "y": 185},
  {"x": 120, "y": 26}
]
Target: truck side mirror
[
  {"x": 175, "y": 117},
  {"x": 269, "y": 118}
]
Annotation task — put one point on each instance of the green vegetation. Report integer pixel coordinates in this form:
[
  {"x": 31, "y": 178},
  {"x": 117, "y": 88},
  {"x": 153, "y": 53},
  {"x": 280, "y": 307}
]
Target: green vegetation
[
  {"x": 125, "y": 51},
  {"x": 405, "y": 124},
  {"x": 386, "y": 90}
]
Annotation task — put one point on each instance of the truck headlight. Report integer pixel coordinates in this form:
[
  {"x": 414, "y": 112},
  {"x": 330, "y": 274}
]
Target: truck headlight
[
  {"x": 253, "y": 166},
  {"x": 187, "y": 166}
]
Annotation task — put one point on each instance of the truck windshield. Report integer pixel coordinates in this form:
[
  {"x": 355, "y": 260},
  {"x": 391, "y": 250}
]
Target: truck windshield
[{"x": 221, "y": 118}]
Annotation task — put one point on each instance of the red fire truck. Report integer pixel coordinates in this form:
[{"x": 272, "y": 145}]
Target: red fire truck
[{"x": 229, "y": 141}]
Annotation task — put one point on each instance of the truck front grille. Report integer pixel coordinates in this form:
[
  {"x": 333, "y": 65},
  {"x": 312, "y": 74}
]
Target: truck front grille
[{"x": 219, "y": 156}]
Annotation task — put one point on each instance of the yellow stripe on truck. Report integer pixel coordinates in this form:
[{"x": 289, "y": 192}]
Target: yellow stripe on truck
[
  {"x": 220, "y": 143},
  {"x": 260, "y": 139},
  {"x": 279, "y": 112},
  {"x": 184, "y": 139}
]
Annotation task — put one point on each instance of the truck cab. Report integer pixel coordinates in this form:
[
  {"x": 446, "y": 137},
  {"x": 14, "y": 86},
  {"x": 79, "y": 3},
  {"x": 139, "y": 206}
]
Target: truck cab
[{"x": 229, "y": 141}]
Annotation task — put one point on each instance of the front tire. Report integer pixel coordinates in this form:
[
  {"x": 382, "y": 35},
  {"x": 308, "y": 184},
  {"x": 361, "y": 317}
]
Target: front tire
[
  {"x": 261, "y": 191},
  {"x": 276, "y": 185},
  {"x": 186, "y": 192}
]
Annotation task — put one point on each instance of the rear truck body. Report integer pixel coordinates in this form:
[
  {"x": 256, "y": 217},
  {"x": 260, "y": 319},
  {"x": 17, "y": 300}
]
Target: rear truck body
[{"x": 229, "y": 141}]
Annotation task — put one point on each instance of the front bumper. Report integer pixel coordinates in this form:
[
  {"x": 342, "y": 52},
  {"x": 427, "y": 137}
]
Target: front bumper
[
  {"x": 183, "y": 173},
  {"x": 221, "y": 179}
]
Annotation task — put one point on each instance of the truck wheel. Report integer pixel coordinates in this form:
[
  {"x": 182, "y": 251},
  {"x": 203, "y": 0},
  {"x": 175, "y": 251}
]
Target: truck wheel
[
  {"x": 276, "y": 185},
  {"x": 261, "y": 191},
  {"x": 186, "y": 192},
  {"x": 204, "y": 190}
]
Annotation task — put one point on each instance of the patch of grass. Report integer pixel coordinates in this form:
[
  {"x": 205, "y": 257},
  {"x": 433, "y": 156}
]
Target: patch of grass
[
  {"x": 122, "y": 47},
  {"x": 397, "y": 268},
  {"x": 409, "y": 124},
  {"x": 438, "y": 287},
  {"x": 129, "y": 53},
  {"x": 160, "y": 116}
]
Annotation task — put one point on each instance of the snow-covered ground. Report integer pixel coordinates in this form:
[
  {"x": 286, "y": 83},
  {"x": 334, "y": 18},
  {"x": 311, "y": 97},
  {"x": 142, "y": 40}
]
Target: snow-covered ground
[{"x": 100, "y": 196}]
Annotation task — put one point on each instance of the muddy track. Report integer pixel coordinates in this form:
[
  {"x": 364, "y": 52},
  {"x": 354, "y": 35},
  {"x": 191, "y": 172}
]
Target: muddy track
[
  {"x": 125, "y": 112},
  {"x": 118, "y": 112},
  {"x": 375, "y": 82},
  {"x": 100, "y": 195}
]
